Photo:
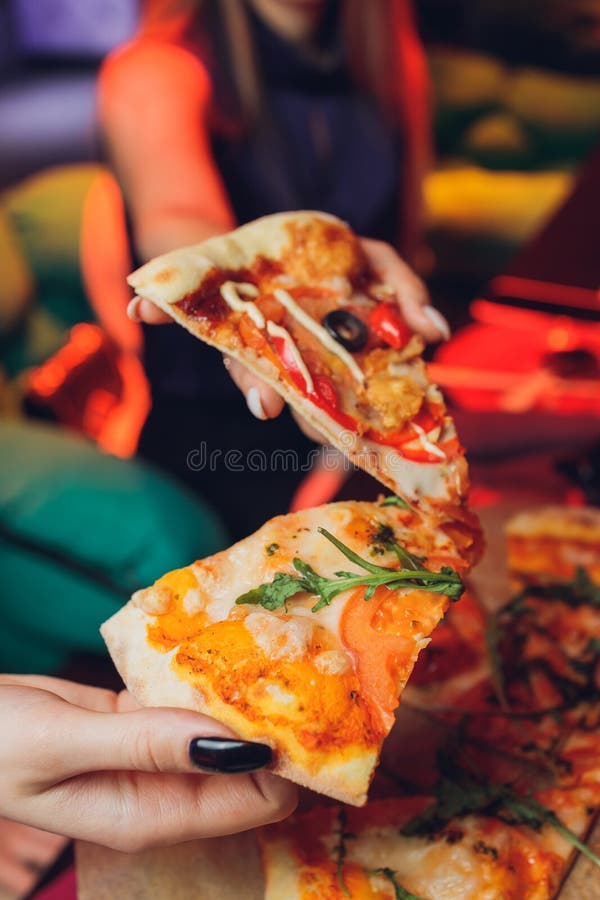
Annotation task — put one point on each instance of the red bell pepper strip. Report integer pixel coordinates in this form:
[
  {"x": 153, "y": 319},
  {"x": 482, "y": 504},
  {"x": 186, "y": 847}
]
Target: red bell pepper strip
[{"x": 387, "y": 323}]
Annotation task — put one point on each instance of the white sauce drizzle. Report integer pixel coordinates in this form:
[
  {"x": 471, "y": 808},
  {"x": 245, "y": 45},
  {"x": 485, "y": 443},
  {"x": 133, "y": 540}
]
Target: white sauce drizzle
[
  {"x": 319, "y": 332},
  {"x": 230, "y": 292},
  {"x": 277, "y": 331},
  {"x": 427, "y": 445}
]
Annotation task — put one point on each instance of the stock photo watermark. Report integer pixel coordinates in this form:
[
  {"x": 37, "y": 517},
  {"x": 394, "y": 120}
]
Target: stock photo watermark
[{"x": 210, "y": 459}]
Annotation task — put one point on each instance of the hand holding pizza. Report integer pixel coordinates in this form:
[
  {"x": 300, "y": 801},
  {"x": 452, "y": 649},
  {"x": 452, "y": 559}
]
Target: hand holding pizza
[
  {"x": 88, "y": 763},
  {"x": 412, "y": 297}
]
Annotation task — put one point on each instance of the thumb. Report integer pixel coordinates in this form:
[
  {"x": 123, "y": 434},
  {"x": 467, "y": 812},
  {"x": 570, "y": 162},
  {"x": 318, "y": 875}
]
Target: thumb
[{"x": 145, "y": 740}]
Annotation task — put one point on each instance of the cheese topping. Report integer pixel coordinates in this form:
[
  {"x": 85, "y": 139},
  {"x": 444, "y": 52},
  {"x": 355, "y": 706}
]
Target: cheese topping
[
  {"x": 277, "y": 331},
  {"x": 153, "y": 600},
  {"x": 230, "y": 292},
  {"x": 319, "y": 332},
  {"x": 280, "y": 638},
  {"x": 332, "y": 662}
]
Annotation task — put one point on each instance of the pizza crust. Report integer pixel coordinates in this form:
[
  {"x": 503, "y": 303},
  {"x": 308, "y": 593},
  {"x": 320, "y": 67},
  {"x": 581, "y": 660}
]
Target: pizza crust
[{"x": 168, "y": 278}]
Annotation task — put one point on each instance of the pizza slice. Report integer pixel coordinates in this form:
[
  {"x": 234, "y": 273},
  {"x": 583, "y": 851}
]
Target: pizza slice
[
  {"x": 302, "y": 636},
  {"x": 292, "y": 296}
]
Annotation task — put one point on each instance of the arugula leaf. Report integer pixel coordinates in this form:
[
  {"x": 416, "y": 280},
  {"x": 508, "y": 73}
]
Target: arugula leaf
[
  {"x": 462, "y": 794},
  {"x": 395, "y": 500},
  {"x": 528, "y": 811},
  {"x": 400, "y": 893},
  {"x": 276, "y": 593},
  {"x": 454, "y": 798},
  {"x": 580, "y": 591},
  {"x": 340, "y": 851}
]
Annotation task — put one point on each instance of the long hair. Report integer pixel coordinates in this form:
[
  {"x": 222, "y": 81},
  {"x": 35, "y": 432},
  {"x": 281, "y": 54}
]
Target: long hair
[{"x": 385, "y": 58}]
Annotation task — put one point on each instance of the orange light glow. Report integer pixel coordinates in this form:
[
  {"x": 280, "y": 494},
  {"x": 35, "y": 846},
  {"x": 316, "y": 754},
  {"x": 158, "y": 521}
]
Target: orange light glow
[{"x": 559, "y": 338}]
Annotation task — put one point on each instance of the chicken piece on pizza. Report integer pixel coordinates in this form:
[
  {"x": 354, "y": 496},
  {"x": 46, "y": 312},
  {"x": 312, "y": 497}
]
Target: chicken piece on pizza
[
  {"x": 302, "y": 636},
  {"x": 292, "y": 296}
]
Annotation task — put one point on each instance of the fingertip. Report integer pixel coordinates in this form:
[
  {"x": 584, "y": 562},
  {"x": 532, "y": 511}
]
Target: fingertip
[
  {"x": 271, "y": 402},
  {"x": 148, "y": 312},
  {"x": 280, "y": 794},
  {"x": 437, "y": 320}
]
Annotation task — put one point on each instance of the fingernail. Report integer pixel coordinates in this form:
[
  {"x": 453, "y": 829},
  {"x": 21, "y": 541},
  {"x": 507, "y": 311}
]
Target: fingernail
[
  {"x": 255, "y": 404},
  {"x": 437, "y": 319},
  {"x": 227, "y": 362},
  {"x": 218, "y": 755},
  {"x": 132, "y": 309}
]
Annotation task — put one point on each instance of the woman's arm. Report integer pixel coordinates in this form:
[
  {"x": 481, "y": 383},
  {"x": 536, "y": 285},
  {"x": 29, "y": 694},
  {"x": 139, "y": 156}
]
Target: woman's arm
[
  {"x": 90, "y": 764},
  {"x": 153, "y": 107}
]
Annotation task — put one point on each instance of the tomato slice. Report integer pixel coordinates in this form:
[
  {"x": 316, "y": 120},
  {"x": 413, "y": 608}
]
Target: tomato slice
[
  {"x": 424, "y": 419},
  {"x": 325, "y": 389},
  {"x": 382, "y": 659},
  {"x": 387, "y": 323}
]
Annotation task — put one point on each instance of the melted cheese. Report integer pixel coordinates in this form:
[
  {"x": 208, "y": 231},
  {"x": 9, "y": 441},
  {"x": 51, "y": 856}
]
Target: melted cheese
[
  {"x": 320, "y": 333},
  {"x": 230, "y": 292},
  {"x": 410, "y": 479},
  {"x": 283, "y": 333},
  {"x": 280, "y": 638}
]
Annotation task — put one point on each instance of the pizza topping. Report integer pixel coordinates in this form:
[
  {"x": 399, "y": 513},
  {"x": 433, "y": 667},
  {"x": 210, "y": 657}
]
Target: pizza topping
[
  {"x": 395, "y": 500},
  {"x": 319, "y": 332},
  {"x": 230, "y": 292},
  {"x": 427, "y": 444},
  {"x": 400, "y": 893},
  {"x": 460, "y": 794},
  {"x": 346, "y": 328},
  {"x": 280, "y": 637},
  {"x": 290, "y": 355},
  {"x": 275, "y": 594},
  {"x": 387, "y": 323},
  {"x": 332, "y": 662},
  {"x": 154, "y": 600}
]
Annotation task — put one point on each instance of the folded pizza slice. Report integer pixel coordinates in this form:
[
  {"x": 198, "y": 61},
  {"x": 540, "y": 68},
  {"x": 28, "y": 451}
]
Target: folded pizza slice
[
  {"x": 292, "y": 296},
  {"x": 302, "y": 636}
]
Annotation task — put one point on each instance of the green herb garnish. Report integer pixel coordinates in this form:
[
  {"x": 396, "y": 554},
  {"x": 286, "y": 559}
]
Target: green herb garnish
[
  {"x": 340, "y": 851},
  {"x": 463, "y": 795},
  {"x": 395, "y": 500},
  {"x": 400, "y": 893},
  {"x": 276, "y": 593}
]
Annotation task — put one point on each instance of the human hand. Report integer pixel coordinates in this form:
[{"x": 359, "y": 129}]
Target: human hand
[
  {"x": 412, "y": 298},
  {"x": 90, "y": 764}
]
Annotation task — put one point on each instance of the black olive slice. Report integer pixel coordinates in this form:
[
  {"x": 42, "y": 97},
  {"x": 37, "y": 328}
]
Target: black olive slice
[{"x": 346, "y": 328}]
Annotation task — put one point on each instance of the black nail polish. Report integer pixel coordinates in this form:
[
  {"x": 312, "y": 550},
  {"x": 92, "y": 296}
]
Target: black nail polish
[{"x": 219, "y": 755}]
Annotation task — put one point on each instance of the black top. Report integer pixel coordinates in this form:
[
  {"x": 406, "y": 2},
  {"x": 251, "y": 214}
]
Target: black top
[{"x": 322, "y": 146}]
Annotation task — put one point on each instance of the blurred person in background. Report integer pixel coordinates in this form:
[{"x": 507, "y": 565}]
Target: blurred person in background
[{"x": 218, "y": 113}]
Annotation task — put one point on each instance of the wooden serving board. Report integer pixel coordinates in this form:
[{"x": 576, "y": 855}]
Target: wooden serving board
[
  {"x": 229, "y": 868},
  {"x": 216, "y": 869}
]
